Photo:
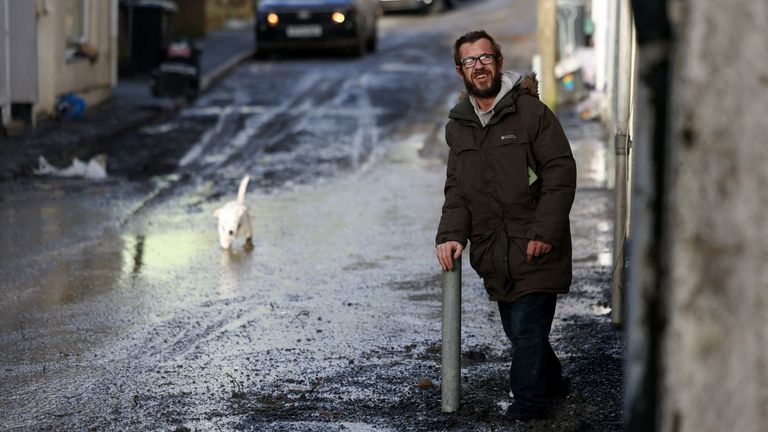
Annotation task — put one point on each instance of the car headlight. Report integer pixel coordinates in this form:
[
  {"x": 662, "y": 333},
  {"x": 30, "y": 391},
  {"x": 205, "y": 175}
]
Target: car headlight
[
  {"x": 272, "y": 19},
  {"x": 338, "y": 17}
]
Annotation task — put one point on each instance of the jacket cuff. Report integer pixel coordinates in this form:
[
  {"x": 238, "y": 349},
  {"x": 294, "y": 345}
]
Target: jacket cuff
[
  {"x": 447, "y": 237},
  {"x": 532, "y": 235}
]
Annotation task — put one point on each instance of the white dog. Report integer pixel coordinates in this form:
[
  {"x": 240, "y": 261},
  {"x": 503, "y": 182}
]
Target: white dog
[{"x": 234, "y": 219}]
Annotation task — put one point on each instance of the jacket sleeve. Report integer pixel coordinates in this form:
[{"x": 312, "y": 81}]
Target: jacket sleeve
[
  {"x": 557, "y": 171},
  {"x": 455, "y": 220}
]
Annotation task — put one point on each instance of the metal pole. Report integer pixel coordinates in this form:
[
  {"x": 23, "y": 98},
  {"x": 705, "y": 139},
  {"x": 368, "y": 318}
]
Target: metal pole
[
  {"x": 451, "y": 383},
  {"x": 623, "y": 89}
]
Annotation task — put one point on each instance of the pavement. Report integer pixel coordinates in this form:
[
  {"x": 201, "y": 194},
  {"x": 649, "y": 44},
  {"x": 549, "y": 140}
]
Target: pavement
[{"x": 130, "y": 107}]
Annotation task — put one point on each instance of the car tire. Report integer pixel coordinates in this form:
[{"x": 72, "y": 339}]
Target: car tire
[
  {"x": 361, "y": 47},
  {"x": 372, "y": 41},
  {"x": 434, "y": 8},
  {"x": 260, "y": 54}
]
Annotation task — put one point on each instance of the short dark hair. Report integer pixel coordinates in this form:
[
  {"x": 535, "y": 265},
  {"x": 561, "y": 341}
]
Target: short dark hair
[{"x": 474, "y": 36}]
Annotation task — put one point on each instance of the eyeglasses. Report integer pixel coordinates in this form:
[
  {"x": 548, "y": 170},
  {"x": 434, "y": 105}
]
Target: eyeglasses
[{"x": 485, "y": 59}]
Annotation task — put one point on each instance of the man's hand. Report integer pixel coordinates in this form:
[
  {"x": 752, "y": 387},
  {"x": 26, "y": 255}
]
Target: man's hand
[
  {"x": 537, "y": 248},
  {"x": 446, "y": 252}
]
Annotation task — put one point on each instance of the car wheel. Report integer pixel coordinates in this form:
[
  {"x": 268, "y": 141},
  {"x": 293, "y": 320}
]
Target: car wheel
[
  {"x": 435, "y": 7},
  {"x": 362, "y": 44},
  {"x": 372, "y": 40},
  {"x": 260, "y": 54}
]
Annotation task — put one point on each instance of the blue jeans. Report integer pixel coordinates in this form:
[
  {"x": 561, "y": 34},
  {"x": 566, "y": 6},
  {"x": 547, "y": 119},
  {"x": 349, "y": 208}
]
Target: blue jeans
[{"x": 535, "y": 374}]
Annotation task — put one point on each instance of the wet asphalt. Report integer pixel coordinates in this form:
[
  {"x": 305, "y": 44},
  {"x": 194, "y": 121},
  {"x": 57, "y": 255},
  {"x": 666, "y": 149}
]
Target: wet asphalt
[{"x": 119, "y": 311}]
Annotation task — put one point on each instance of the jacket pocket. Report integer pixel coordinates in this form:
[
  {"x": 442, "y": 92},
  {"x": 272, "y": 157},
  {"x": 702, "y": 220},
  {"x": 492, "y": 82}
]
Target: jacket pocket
[
  {"x": 511, "y": 165},
  {"x": 488, "y": 254},
  {"x": 481, "y": 256}
]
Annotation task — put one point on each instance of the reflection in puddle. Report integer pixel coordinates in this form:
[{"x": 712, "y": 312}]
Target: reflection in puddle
[
  {"x": 605, "y": 258},
  {"x": 232, "y": 265},
  {"x": 407, "y": 150},
  {"x": 150, "y": 255},
  {"x": 597, "y": 166}
]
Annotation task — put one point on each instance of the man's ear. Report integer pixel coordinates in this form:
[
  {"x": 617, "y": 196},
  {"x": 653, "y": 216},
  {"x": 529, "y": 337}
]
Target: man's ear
[
  {"x": 460, "y": 71},
  {"x": 500, "y": 62}
]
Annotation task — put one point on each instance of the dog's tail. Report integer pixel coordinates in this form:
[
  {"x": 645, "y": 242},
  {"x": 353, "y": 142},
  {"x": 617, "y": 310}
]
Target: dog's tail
[{"x": 241, "y": 189}]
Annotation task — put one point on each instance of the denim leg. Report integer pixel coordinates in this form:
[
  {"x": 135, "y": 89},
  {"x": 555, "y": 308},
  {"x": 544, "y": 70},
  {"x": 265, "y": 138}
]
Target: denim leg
[{"x": 535, "y": 371}]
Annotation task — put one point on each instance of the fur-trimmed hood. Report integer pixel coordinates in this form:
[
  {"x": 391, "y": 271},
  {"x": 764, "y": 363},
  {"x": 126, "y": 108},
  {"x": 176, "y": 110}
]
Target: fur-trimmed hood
[{"x": 529, "y": 84}]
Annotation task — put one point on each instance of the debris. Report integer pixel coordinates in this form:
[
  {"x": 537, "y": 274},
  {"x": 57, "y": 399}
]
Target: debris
[
  {"x": 237, "y": 388},
  {"x": 426, "y": 383},
  {"x": 70, "y": 107},
  {"x": 87, "y": 50},
  {"x": 95, "y": 168}
]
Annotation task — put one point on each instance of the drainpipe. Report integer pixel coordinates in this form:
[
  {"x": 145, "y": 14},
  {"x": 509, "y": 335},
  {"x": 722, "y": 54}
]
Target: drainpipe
[
  {"x": 451, "y": 355},
  {"x": 621, "y": 143}
]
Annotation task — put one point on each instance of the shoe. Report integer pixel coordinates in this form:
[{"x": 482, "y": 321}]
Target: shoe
[{"x": 515, "y": 411}]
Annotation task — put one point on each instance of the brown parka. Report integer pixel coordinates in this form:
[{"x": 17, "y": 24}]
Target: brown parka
[{"x": 509, "y": 182}]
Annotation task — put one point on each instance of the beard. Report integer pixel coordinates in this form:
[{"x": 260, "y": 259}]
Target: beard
[{"x": 491, "y": 91}]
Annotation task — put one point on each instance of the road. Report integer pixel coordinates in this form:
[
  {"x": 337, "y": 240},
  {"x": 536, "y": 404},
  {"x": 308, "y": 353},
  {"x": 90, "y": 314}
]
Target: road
[{"x": 120, "y": 312}]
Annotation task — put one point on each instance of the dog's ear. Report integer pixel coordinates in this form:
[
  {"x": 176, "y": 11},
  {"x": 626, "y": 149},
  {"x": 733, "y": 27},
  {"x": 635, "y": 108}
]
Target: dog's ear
[{"x": 216, "y": 212}]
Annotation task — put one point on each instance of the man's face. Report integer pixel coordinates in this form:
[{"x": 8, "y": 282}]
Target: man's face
[{"x": 481, "y": 80}]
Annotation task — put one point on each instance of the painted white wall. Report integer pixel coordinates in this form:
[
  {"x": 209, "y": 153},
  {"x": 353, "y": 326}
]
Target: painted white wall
[
  {"x": 18, "y": 60},
  {"x": 23, "y": 46},
  {"x": 5, "y": 74}
]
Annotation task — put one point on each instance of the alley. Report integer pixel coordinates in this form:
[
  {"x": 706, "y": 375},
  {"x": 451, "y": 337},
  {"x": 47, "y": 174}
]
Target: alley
[{"x": 119, "y": 311}]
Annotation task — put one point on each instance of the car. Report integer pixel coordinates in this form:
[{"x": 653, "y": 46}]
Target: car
[
  {"x": 311, "y": 24},
  {"x": 426, "y": 6}
]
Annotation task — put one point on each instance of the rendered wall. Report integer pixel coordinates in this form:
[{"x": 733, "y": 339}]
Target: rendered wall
[
  {"x": 91, "y": 80},
  {"x": 714, "y": 352}
]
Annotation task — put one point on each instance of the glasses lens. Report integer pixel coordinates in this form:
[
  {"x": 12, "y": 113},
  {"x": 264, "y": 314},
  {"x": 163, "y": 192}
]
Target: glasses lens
[
  {"x": 468, "y": 61},
  {"x": 486, "y": 59}
]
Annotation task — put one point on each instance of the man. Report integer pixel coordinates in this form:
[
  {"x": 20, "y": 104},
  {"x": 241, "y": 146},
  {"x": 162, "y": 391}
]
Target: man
[{"x": 510, "y": 184}]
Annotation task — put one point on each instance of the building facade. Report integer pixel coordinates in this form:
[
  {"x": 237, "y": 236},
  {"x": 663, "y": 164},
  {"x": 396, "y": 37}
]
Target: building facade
[{"x": 50, "y": 48}]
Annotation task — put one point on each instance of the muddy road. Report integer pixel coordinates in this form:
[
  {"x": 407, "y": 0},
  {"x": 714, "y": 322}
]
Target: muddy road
[{"x": 118, "y": 310}]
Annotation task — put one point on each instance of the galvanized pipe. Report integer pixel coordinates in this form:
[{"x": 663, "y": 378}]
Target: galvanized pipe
[
  {"x": 623, "y": 112},
  {"x": 619, "y": 231},
  {"x": 451, "y": 333}
]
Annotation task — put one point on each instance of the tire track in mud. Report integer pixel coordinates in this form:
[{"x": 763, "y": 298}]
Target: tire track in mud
[{"x": 330, "y": 124}]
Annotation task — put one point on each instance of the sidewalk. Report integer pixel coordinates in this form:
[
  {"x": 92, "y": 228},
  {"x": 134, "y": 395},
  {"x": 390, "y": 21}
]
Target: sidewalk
[{"x": 131, "y": 106}]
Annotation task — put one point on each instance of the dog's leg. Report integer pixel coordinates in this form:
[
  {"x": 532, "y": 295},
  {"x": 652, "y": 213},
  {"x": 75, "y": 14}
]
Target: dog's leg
[{"x": 247, "y": 231}]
